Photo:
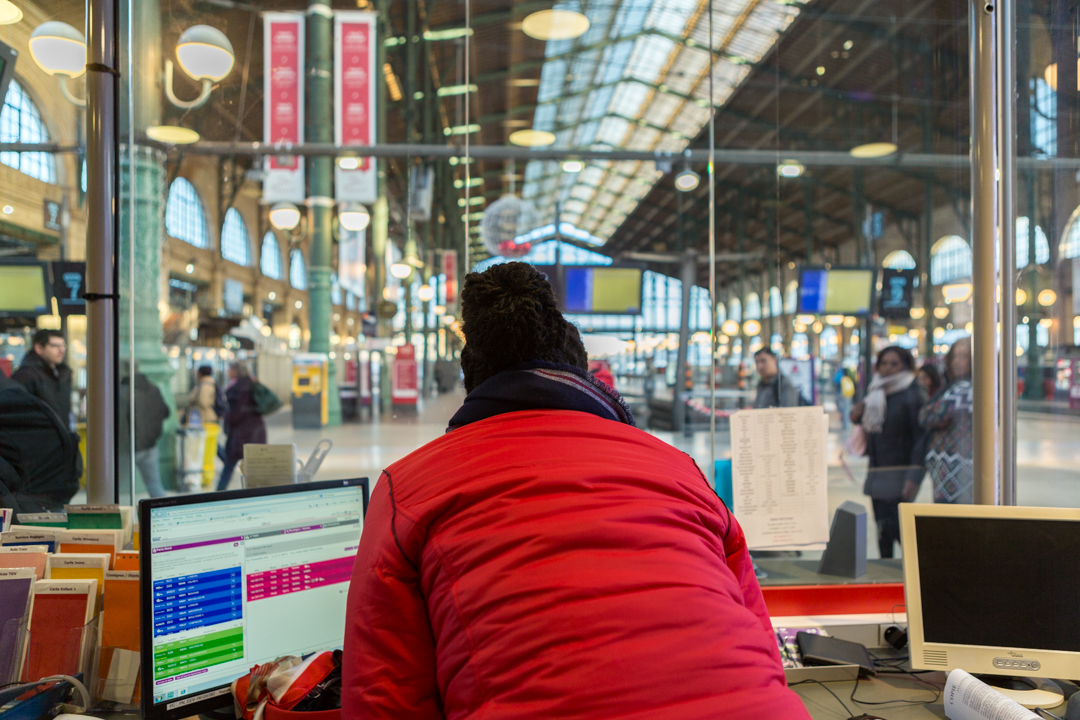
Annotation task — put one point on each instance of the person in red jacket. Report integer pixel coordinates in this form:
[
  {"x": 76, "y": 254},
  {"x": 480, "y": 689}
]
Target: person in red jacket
[{"x": 547, "y": 559}]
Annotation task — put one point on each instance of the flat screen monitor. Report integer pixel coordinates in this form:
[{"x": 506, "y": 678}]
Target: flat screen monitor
[
  {"x": 230, "y": 580},
  {"x": 992, "y": 589},
  {"x": 25, "y": 290},
  {"x": 601, "y": 290},
  {"x": 897, "y": 292},
  {"x": 835, "y": 291}
]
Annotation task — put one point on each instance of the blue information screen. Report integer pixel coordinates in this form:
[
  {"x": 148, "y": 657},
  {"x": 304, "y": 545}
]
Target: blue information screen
[
  {"x": 813, "y": 289},
  {"x": 193, "y": 601}
]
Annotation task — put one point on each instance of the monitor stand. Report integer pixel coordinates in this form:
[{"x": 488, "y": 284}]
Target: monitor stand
[{"x": 1028, "y": 691}]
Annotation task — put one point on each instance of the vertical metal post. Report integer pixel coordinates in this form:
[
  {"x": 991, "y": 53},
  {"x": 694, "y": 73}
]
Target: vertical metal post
[
  {"x": 678, "y": 395},
  {"x": 984, "y": 253},
  {"x": 102, "y": 80},
  {"x": 1005, "y": 50},
  {"x": 924, "y": 262}
]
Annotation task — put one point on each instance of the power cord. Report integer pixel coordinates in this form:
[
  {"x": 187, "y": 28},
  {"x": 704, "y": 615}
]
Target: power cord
[
  {"x": 829, "y": 690},
  {"x": 914, "y": 678},
  {"x": 1048, "y": 714}
]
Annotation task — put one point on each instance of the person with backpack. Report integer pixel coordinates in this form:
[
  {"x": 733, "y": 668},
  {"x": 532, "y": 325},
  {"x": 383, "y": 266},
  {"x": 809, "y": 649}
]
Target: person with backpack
[
  {"x": 243, "y": 420},
  {"x": 844, "y": 384}
]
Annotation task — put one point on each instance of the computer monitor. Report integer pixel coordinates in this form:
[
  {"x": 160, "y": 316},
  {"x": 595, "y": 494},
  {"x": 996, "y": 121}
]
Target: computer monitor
[
  {"x": 230, "y": 580},
  {"x": 596, "y": 289},
  {"x": 836, "y": 290},
  {"x": 25, "y": 290},
  {"x": 993, "y": 589}
]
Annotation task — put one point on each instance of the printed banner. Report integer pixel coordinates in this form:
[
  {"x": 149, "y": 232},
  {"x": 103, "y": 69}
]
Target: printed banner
[
  {"x": 449, "y": 269},
  {"x": 283, "y": 105},
  {"x": 355, "y": 80}
]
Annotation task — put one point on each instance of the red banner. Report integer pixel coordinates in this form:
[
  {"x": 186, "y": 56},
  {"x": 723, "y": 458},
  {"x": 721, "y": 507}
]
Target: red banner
[
  {"x": 283, "y": 104},
  {"x": 355, "y": 80},
  {"x": 404, "y": 389},
  {"x": 449, "y": 269}
]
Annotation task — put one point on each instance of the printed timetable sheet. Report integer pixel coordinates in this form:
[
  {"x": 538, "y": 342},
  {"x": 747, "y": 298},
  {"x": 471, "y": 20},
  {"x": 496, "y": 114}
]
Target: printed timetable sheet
[{"x": 779, "y": 469}]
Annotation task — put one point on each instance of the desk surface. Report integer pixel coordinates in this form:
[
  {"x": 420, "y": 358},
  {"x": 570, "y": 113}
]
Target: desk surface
[{"x": 883, "y": 688}]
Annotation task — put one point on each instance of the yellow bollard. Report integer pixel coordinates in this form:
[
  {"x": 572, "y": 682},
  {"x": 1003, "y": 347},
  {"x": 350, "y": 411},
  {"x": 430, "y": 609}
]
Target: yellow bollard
[{"x": 212, "y": 430}]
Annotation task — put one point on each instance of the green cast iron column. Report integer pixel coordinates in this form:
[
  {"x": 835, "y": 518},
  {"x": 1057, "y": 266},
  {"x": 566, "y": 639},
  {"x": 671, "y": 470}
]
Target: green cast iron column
[{"x": 319, "y": 127}]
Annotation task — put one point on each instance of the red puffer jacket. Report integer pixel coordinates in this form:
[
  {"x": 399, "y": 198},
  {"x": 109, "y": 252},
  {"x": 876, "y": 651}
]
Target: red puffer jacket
[{"x": 554, "y": 564}]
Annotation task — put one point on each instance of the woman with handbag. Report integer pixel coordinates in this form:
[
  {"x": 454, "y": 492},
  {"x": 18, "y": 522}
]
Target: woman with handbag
[
  {"x": 889, "y": 416},
  {"x": 243, "y": 421},
  {"x": 947, "y": 419}
]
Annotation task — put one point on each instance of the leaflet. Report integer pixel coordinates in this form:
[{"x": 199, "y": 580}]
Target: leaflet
[
  {"x": 779, "y": 468},
  {"x": 968, "y": 698}
]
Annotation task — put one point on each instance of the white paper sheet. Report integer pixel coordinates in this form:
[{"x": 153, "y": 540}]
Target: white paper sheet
[
  {"x": 779, "y": 466},
  {"x": 266, "y": 465},
  {"x": 968, "y": 698},
  {"x": 119, "y": 685}
]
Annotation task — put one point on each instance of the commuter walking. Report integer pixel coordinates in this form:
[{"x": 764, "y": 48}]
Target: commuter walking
[
  {"x": 207, "y": 397},
  {"x": 844, "y": 385},
  {"x": 151, "y": 412},
  {"x": 947, "y": 418},
  {"x": 890, "y": 417},
  {"x": 45, "y": 375},
  {"x": 774, "y": 390},
  {"x": 545, "y": 558},
  {"x": 243, "y": 423}
]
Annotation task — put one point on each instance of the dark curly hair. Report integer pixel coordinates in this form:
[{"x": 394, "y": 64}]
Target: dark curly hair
[{"x": 509, "y": 315}]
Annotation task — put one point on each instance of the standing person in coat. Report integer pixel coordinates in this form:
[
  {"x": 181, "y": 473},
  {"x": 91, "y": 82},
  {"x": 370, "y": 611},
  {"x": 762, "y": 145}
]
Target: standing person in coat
[
  {"x": 947, "y": 418},
  {"x": 890, "y": 417},
  {"x": 206, "y": 396},
  {"x": 242, "y": 422},
  {"x": 44, "y": 373},
  {"x": 774, "y": 390},
  {"x": 545, "y": 558},
  {"x": 151, "y": 412}
]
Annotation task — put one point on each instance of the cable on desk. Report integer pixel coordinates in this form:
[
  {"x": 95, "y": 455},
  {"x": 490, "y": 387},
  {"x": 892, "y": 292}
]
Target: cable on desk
[
  {"x": 1048, "y": 714},
  {"x": 915, "y": 678},
  {"x": 827, "y": 689}
]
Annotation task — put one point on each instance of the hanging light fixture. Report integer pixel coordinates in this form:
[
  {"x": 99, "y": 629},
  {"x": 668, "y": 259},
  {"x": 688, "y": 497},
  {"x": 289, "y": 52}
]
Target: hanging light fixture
[
  {"x": 425, "y": 293},
  {"x": 401, "y": 270},
  {"x": 172, "y": 134},
  {"x": 354, "y": 217},
  {"x": 555, "y": 25},
  {"x": 1047, "y": 297},
  {"x": 873, "y": 150},
  {"x": 284, "y": 216},
  {"x": 687, "y": 180},
  {"x": 532, "y": 138},
  {"x": 204, "y": 53},
  {"x": 730, "y": 328},
  {"x": 58, "y": 49},
  {"x": 9, "y": 13},
  {"x": 751, "y": 327}
]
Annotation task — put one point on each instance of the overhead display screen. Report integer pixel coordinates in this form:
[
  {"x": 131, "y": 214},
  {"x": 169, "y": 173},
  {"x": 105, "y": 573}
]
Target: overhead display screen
[
  {"x": 835, "y": 292},
  {"x": 24, "y": 289},
  {"x": 602, "y": 290}
]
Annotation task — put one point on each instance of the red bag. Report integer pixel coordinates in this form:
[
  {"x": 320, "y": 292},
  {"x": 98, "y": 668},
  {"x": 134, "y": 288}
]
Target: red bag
[{"x": 281, "y": 685}]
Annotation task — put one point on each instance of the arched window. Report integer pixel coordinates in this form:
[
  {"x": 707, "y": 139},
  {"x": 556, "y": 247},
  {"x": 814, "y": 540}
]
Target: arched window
[
  {"x": 1070, "y": 239},
  {"x": 185, "y": 218},
  {"x": 735, "y": 310},
  {"x": 235, "y": 245},
  {"x": 350, "y": 302},
  {"x": 756, "y": 343},
  {"x": 335, "y": 291},
  {"x": 1023, "y": 244},
  {"x": 950, "y": 259},
  {"x": 270, "y": 257},
  {"x": 20, "y": 122},
  {"x": 297, "y": 270},
  {"x": 830, "y": 342},
  {"x": 776, "y": 303},
  {"x": 899, "y": 260},
  {"x": 721, "y": 314},
  {"x": 777, "y": 343},
  {"x": 791, "y": 298},
  {"x": 753, "y": 307},
  {"x": 800, "y": 346}
]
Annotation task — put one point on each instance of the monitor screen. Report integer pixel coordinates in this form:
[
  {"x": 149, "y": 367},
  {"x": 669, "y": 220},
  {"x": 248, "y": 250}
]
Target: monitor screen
[
  {"x": 838, "y": 291},
  {"x": 602, "y": 290},
  {"x": 231, "y": 580},
  {"x": 897, "y": 292},
  {"x": 24, "y": 289},
  {"x": 999, "y": 582}
]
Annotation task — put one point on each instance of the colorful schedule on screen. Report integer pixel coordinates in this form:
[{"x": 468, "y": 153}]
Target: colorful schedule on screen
[
  {"x": 835, "y": 292},
  {"x": 604, "y": 290}
]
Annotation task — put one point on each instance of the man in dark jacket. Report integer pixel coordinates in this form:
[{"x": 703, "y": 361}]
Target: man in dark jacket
[
  {"x": 774, "y": 390},
  {"x": 39, "y": 456},
  {"x": 44, "y": 374},
  {"x": 151, "y": 412}
]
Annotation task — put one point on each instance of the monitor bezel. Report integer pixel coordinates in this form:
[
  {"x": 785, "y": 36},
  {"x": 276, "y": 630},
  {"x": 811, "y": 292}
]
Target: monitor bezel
[
  {"x": 871, "y": 306},
  {"x": 974, "y": 658},
  {"x": 221, "y": 696},
  {"x": 46, "y": 279}
]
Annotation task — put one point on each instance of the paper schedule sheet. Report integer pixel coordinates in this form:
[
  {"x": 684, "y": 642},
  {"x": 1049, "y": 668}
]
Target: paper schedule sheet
[{"x": 779, "y": 473}]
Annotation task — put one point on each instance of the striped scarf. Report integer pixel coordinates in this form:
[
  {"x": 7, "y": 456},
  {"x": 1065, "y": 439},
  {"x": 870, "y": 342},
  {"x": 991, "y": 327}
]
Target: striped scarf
[{"x": 540, "y": 385}]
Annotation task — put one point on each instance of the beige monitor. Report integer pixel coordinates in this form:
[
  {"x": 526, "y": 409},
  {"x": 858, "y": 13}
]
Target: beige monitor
[{"x": 993, "y": 590}]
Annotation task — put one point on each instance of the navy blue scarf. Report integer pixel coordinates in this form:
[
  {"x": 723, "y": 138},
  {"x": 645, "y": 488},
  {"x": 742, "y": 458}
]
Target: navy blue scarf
[{"x": 540, "y": 385}]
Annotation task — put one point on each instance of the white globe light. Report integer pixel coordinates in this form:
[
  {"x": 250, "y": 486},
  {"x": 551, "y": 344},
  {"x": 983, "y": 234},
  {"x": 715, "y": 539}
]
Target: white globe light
[
  {"x": 401, "y": 270},
  {"x": 58, "y": 49},
  {"x": 354, "y": 217},
  {"x": 687, "y": 180},
  {"x": 205, "y": 53},
  {"x": 504, "y": 220},
  {"x": 284, "y": 216},
  {"x": 425, "y": 293},
  {"x": 9, "y": 13}
]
